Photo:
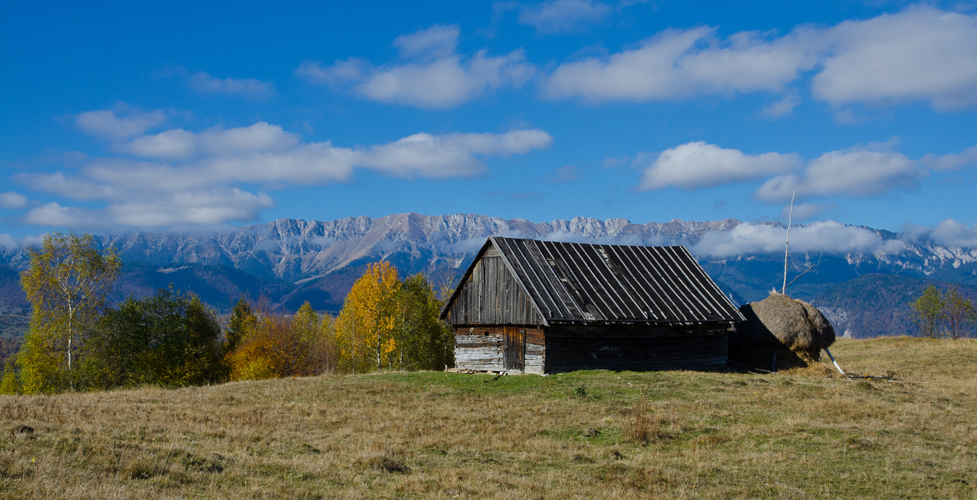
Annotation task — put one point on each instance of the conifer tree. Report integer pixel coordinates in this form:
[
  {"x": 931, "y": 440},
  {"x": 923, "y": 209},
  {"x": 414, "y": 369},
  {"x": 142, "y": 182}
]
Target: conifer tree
[{"x": 243, "y": 321}]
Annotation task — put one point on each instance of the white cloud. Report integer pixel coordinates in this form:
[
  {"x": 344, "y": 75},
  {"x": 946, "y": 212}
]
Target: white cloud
[
  {"x": 337, "y": 74},
  {"x": 261, "y": 136},
  {"x": 967, "y": 157},
  {"x": 55, "y": 215},
  {"x": 554, "y": 16},
  {"x": 434, "y": 76},
  {"x": 451, "y": 155},
  {"x": 847, "y": 173},
  {"x": 509, "y": 143},
  {"x": 248, "y": 88},
  {"x": 200, "y": 182},
  {"x": 445, "y": 82},
  {"x": 954, "y": 234},
  {"x": 697, "y": 164},
  {"x": 861, "y": 171},
  {"x": 921, "y": 53},
  {"x": 202, "y": 208},
  {"x": 115, "y": 178},
  {"x": 199, "y": 209},
  {"x": 8, "y": 242},
  {"x": 174, "y": 144},
  {"x": 178, "y": 144},
  {"x": 681, "y": 63},
  {"x": 782, "y": 107},
  {"x": 436, "y": 41},
  {"x": 60, "y": 184},
  {"x": 749, "y": 238},
  {"x": 105, "y": 124},
  {"x": 306, "y": 164},
  {"x": 11, "y": 199}
]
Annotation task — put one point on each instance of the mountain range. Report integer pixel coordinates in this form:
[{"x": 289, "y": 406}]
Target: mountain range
[{"x": 287, "y": 262}]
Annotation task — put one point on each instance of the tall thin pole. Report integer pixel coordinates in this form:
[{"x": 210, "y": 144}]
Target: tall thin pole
[{"x": 783, "y": 289}]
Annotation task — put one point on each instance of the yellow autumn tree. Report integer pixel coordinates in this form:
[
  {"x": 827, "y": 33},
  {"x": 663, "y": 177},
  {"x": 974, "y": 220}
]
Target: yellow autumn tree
[
  {"x": 269, "y": 350},
  {"x": 367, "y": 325}
]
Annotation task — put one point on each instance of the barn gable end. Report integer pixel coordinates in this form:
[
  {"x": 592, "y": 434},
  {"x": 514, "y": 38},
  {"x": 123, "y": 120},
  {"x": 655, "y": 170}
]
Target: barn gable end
[{"x": 489, "y": 294}]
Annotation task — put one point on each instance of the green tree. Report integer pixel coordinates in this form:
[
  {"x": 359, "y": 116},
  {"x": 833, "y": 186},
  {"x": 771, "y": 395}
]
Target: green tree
[
  {"x": 928, "y": 312},
  {"x": 243, "y": 321},
  {"x": 67, "y": 284},
  {"x": 169, "y": 339},
  {"x": 959, "y": 313},
  {"x": 317, "y": 338},
  {"x": 424, "y": 342}
]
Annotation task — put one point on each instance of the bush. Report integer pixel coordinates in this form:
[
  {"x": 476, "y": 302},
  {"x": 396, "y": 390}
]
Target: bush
[{"x": 281, "y": 346}]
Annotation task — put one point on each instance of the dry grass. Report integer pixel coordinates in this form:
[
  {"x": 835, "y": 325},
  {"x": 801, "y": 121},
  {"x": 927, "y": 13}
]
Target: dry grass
[{"x": 799, "y": 434}]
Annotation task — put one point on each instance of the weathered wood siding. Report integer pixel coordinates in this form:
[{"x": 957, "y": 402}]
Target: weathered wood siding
[
  {"x": 478, "y": 349},
  {"x": 535, "y": 351},
  {"x": 483, "y": 348},
  {"x": 571, "y": 348},
  {"x": 491, "y": 296}
]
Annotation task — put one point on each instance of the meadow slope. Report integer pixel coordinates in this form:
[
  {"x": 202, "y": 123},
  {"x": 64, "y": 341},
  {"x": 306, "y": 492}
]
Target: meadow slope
[{"x": 801, "y": 434}]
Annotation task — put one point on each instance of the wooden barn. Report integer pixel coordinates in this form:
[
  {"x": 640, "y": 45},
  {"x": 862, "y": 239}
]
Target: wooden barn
[{"x": 546, "y": 307}]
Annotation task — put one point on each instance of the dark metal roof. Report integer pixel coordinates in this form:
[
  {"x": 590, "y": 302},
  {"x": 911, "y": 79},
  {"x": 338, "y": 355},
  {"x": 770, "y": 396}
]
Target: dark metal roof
[{"x": 591, "y": 283}]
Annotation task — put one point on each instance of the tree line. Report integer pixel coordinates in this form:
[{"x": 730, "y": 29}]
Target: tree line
[
  {"x": 943, "y": 314},
  {"x": 77, "y": 341}
]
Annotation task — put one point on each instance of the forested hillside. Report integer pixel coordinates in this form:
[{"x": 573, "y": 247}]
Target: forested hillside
[{"x": 878, "y": 304}]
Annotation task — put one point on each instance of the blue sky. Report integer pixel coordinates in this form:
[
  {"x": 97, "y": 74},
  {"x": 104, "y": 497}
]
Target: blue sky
[{"x": 190, "y": 116}]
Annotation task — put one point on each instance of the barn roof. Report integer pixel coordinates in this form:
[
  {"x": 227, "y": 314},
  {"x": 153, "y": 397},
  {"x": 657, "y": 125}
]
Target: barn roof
[{"x": 593, "y": 283}]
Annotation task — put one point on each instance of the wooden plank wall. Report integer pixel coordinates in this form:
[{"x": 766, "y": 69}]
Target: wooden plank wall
[
  {"x": 568, "y": 348},
  {"x": 571, "y": 348},
  {"x": 535, "y": 351},
  {"x": 491, "y": 296},
  {"x": 481, "y": 349}
]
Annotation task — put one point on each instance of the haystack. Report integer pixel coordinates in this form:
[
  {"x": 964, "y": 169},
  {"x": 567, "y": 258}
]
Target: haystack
[{"x": 780, "y": 328}]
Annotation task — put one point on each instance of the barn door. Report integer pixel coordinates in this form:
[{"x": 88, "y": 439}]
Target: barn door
[{"x": 514, "y": 348}]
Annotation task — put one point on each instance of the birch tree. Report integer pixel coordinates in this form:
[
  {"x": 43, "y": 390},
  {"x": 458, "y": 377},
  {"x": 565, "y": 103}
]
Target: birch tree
[
  {"x": 67, "y": 284},
  {"x": 366, "y": 327}
]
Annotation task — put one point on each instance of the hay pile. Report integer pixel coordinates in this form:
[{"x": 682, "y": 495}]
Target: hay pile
[{"x": 790, "y": 329}]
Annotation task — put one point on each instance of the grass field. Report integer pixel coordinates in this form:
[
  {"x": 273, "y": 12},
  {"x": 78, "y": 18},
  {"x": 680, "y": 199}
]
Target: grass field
[{"x": 802, "y": 434}]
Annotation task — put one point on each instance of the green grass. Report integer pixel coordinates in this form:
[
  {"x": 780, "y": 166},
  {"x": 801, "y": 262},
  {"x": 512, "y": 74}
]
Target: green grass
[{"x": 800, "y": 434}]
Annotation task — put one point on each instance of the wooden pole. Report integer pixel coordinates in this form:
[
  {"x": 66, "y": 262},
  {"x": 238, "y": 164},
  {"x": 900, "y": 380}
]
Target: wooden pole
[
  {"x": 835, "y": 362},
  {"x": 783, "y": 289}
]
